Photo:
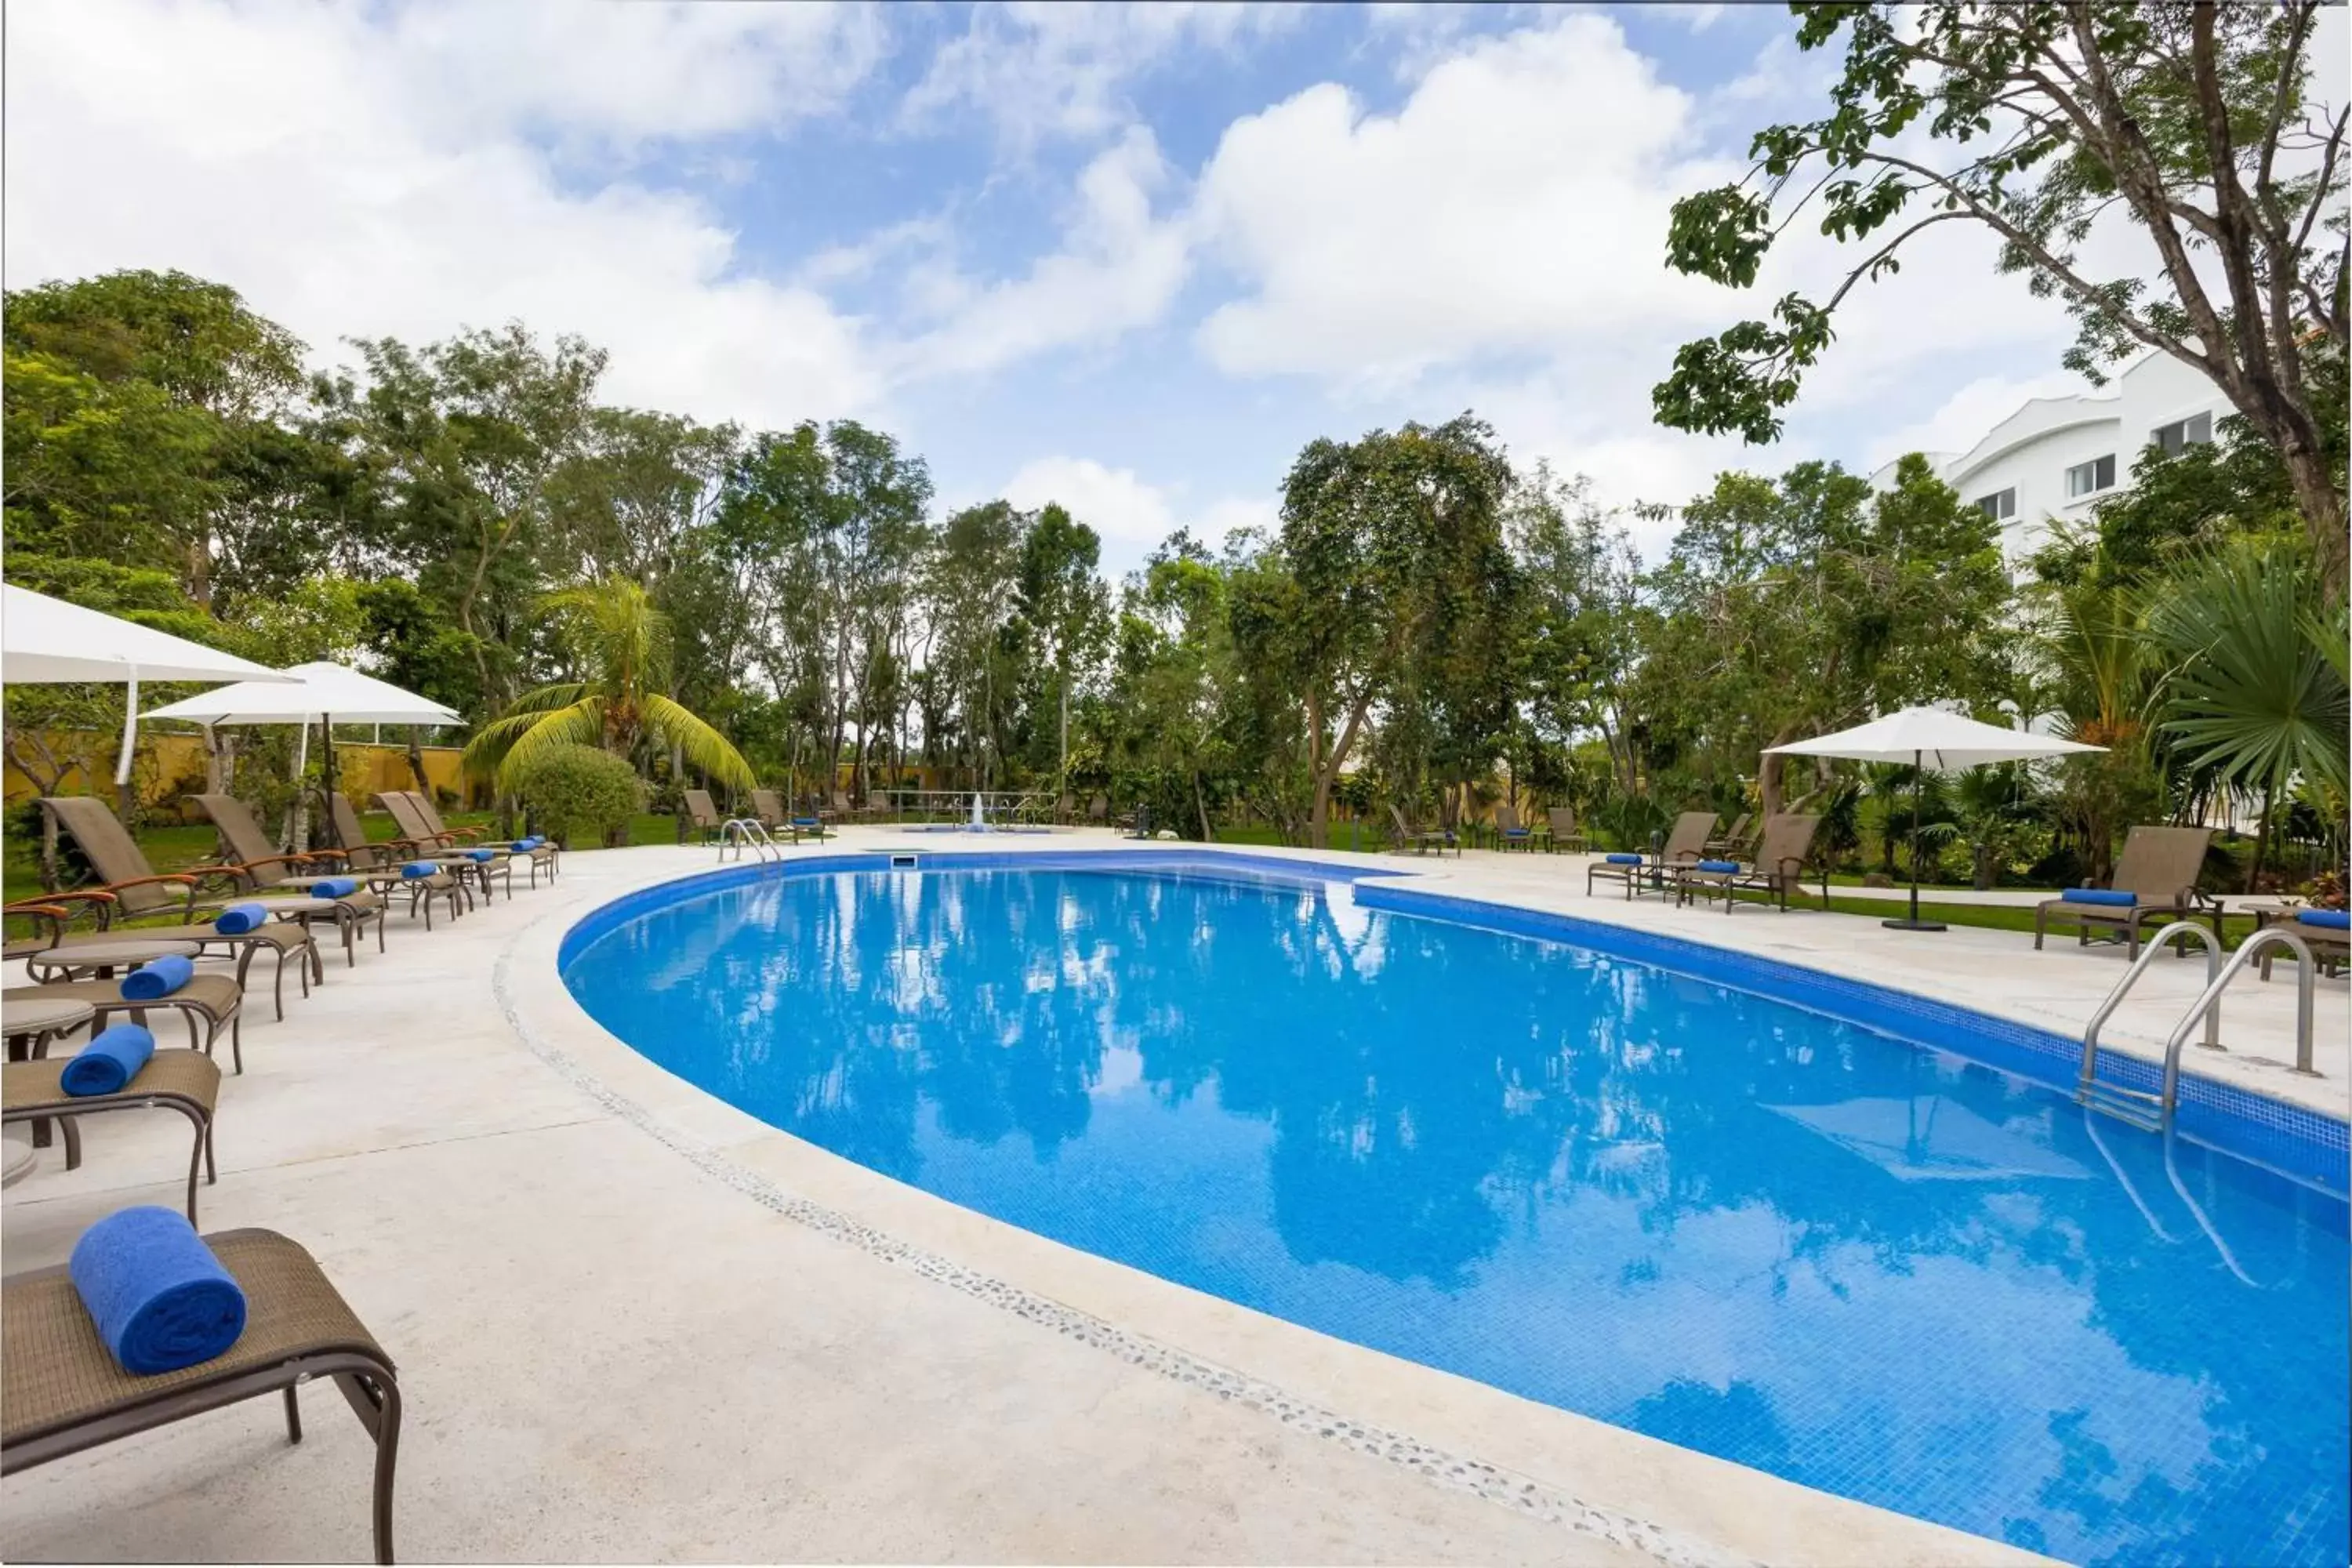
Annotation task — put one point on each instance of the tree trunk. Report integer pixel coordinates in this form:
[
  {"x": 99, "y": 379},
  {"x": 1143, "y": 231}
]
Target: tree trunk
[
  {"x": 2322, "y": 506},
  {"x": 416, "y": 759},
  {"x": 2261, "y": 847},
  {"x": 1208, "y": 835},
  {"x": 1770, "y": 769}
]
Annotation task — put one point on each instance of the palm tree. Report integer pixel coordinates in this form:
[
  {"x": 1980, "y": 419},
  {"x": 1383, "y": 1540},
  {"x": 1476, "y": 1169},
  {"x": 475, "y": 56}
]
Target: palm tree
[
  {"x": 2255, "y": 690},
  {"x": 622, "y": 646}
]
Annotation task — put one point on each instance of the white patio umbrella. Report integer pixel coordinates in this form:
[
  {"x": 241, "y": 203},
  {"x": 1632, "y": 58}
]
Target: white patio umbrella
[
  {"x": 1929, "y": 738},
  {"x": 45, "y": 641},
  {"x": 321, "y": 693}
]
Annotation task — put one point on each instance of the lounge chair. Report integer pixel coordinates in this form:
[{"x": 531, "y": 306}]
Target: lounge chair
[
  {"x": 1565, "y": 833},
  {"x": 1786, "y": 849},
  {"x": 2330, "y": 944},
  {"x": 63, "y": 1391},
  {"x": 380, "y": 862},
  {"x": 446, "y": 851},
  {"x": 1732, "y": 843},
  {"x": 256, "y": 866},
  {"x": 1685, "y": 845},
  {"x": 543, "y": 855},
  {"x": 1514, "y": 835},
  {"x": 2154, "y": 880},
  {"x": 702, "y": 814},
  {"x": 768, "y": 806},
  {"x": 1099, "y": 812},
  {"x": 210, "y": 1001},
  {"x": 1406, "y": 834},
  {"x": 133, "y": 891},
  {"x": 185, "y": 1082}
]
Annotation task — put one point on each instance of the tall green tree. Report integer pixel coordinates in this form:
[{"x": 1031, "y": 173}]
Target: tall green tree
[
  {"x": 2193, "y": 121},
  {"x": 1394, "y": 542},
  {"x": 1066, "y": 604}
]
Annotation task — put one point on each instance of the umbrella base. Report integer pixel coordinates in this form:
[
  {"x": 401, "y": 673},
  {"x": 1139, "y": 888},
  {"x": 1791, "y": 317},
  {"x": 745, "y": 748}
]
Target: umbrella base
[{"x": 1912, "y": 925}]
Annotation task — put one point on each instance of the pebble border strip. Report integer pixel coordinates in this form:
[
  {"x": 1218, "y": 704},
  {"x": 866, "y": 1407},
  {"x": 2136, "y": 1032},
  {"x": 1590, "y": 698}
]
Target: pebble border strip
[{"x": 1455, "y": 1472}]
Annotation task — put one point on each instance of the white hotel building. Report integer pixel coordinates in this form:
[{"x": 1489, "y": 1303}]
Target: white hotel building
[{"x": 2057, "y": 457}]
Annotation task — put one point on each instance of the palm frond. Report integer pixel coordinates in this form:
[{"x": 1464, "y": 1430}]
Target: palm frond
[
  {"x": 2250, "y": 694},
  {"x": 547, "y": 699},
  {"x": 580, "y": 724},
  {"x": 700, "y": 744}
]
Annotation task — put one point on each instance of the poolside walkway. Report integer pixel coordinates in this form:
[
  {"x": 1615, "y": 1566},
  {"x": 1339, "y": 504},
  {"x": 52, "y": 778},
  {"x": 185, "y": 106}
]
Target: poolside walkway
[{"x": 634, "y": 1324}]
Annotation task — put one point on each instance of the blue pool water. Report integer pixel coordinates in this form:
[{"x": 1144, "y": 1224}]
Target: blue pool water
[{"x": 1874, "y": 1268}]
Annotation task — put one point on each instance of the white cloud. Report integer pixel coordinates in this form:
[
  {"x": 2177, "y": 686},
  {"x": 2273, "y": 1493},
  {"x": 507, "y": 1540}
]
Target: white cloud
[
  {"x": 1118, "y": 269},
  {"x": 1133, "y": 517},
  {"x": 1515, "y": 206},
  {"x": 623, "y": 72},
  {"x": 1062, "y": 70},
  {"x": 307, "y": 156}
]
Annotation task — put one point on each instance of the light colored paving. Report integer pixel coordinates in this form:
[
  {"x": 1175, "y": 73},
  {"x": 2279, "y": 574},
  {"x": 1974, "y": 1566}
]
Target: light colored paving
[{"x": 634, "y": 1324}]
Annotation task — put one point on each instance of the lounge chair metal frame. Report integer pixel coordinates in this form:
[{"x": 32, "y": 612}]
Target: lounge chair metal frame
[
  {"x": 2160, "y": 865},
  {"x": 104, "y": 839},
  {"x": 254, "y": 872},
  {"x": 1565, "y": 833},
  {"x": 298, "y": 1329},
  {"x": 1786, "y": 848},
  {"x": 1406, "y": 834},
  {"x": 155, "y": 1084},
  {"x": 1684, "y": 843},
  {"x": 1512, "y": 833},
  {"x": 191, "y": 1002}
]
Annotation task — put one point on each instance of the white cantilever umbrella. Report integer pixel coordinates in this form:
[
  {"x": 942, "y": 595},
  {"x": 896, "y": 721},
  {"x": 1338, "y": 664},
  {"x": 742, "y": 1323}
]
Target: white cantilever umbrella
[
  {"x": 322, "y": 693},
  {"x": 48, "y": 641},
  {"x": 1931, "y": 738}
]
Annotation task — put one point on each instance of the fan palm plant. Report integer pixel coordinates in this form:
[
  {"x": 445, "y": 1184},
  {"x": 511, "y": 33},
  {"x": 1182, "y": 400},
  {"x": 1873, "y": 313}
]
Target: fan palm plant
[
  {"x": 621, "y": 644},
  {"x": 2254, "y": 688}
]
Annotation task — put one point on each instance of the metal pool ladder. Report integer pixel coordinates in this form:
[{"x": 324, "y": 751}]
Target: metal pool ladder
[
  {"x": 743, "y": 834},
  {"x": 2154, "y": 1110}
]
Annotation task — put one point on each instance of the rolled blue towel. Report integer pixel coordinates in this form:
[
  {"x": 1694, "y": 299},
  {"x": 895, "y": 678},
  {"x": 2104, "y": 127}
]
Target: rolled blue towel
[
  {"x": 481, "y": 856},
  {"x": 2114, "y": 896},
  {"x": 1622, "y": 859},
  {"x": 805, "y": 822},
  {"x": 524, "y": 845},
  {"x": 1722, "y": 868},
  {"x": 110, "y": 1060},
  {"x": 238, "y": 918},
  {"x": 2331, "y": 920},
  {"x": 334, "y": 887},
  {"x": 158, "y": 978},
  {"x": 157, "y": 1296},
  {"x": 416, "y": 869}
]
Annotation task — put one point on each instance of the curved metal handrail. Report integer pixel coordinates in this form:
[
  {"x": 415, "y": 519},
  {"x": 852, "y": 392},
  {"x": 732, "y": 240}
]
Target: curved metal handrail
[
  {"x": 2147, "y": 954},
  {"x": 2211, "y": 997},
  {"x": 742, "y": 833}
]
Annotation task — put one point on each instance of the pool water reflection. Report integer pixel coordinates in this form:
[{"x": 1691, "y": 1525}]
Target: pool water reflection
[{"x": 1868, "y": 1267}]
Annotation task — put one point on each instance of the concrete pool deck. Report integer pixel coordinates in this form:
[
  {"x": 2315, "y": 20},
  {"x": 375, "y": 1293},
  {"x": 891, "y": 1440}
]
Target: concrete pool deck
[{"x": 634, "y": 1324}]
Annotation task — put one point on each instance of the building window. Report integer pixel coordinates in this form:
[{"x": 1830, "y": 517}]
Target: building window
[
  {"x": 2001, "y": 506},
  {"x": 2089, "y": 479},
  {"x": 2182, "y": 433}
]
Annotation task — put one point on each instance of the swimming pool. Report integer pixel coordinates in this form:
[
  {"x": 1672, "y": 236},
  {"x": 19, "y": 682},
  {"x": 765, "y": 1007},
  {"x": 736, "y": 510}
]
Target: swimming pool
[{"x": 1870, "y": 1266}]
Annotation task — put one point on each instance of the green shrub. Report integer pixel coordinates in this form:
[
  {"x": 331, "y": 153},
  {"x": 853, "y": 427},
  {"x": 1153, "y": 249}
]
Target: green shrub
[{"x": 578, "y": 791}]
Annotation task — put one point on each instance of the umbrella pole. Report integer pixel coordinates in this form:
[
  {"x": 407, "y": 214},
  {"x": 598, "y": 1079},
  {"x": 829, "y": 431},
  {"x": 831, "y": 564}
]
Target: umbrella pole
[{"x": 1914, "y": 922}]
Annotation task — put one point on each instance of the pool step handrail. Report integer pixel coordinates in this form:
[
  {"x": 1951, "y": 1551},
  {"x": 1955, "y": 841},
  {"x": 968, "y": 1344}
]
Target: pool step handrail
[
  {"x": 2156, "y": 1111},
  {"x": 2088, "y": 1081},
  {"x": 746, "y": 833}
]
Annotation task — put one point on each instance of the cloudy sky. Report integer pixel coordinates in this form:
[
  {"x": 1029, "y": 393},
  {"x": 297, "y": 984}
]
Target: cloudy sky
[{"x": 1130, "y": 258}]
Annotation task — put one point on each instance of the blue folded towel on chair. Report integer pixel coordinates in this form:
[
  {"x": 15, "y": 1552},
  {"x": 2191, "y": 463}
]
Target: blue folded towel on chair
[
  {"x": 1622, "y": 859},
  {"x": 2331, "y": 920},
  {"x": 110, "y": 1060},
  {"x": 416, "y": 869},
  {"x": 525, "y": 846},
  {"x": 158, "y": 978},
  {"x": 238, "y": 918},
  {"x": 2101, "y": 896},
  {"x": 805, "y": 822},
  {"x": 334, "y": 887},
  {"x": 158, "y": 1297},
  {"x": 1723, "y": 868},
  {"x": 481, "y": 856}
]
